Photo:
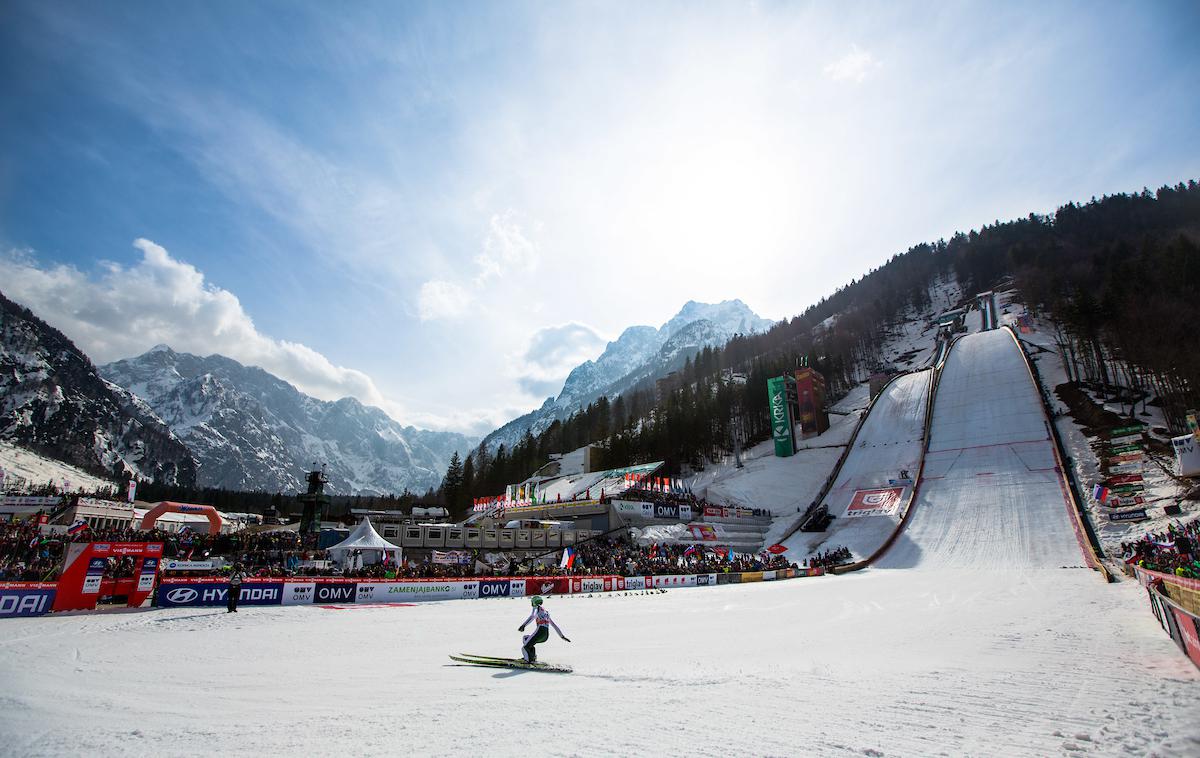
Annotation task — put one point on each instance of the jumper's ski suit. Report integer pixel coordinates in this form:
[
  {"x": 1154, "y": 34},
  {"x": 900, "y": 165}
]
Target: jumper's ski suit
[{"x": 540, "y": 634}]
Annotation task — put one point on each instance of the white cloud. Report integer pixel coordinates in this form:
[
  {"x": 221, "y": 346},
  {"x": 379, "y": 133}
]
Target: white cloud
[
  {"x": 442, "y": 299},
  {"x": 506, "y": 248},
  {"x": 854, "y": 66},
  {"x": 551, "y": 354},
  {"x": 127, "y": 310}
]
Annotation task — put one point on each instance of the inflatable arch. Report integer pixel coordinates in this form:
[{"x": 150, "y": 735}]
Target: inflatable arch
[{"x": 214, "y": 518}]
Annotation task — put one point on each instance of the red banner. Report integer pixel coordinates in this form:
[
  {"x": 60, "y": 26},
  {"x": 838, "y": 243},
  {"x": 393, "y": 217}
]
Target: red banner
[
  {"x": 1124, "y": 479},
  {"x": 880, "y": 502}
]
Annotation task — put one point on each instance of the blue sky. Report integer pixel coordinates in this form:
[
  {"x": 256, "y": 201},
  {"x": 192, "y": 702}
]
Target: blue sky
[{"x": 400, "y": 201}]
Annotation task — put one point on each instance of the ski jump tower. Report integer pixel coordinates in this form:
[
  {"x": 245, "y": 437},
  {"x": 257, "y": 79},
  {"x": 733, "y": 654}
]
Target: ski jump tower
[{"x": 314, "y": 502}]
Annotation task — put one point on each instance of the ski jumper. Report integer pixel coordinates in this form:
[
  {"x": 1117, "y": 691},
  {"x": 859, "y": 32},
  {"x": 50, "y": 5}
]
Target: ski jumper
[{"x": 542, "y": 633}]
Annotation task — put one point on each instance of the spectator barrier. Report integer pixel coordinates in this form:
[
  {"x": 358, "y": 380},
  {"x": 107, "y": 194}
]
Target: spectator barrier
[
  {"x": 212, "y": 591},
  {"x": 26, "y": 598},
  {"x": 1168, "y": 595}
]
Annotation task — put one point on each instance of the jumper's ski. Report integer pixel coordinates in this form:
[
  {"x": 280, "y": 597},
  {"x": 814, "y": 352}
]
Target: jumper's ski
[{"x": 510, "y": 663}]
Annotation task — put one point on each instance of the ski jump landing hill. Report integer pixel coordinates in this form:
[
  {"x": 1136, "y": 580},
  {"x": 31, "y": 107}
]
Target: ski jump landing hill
[
  {"x": 866, "y": 498},
  {"x": 992, "y": 494}
]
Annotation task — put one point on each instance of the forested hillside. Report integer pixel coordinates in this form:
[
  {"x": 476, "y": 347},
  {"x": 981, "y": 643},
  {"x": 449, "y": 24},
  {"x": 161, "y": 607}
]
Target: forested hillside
[{"x": 1119, "y": 274}]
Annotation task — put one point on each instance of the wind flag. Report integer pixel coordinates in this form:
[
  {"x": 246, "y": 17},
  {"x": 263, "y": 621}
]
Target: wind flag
[
  {"x": 132, "y": 489},
  {"x": 77, "y": 526},
  {"x": 568, "y": 558},
  {"x": 1099, "y": 493}
]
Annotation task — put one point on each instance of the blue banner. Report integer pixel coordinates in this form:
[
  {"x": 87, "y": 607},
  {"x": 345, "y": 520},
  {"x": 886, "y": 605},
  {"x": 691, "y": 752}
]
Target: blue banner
[
  {"x": 25, "y": 602},
  {"x": 495, "y": 588},
  {"x": 175, "y": 595}
]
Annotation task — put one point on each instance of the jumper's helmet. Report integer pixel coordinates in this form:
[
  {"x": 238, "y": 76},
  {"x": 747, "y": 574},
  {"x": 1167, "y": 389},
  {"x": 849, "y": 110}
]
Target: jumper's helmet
[{"x": 535, "y": 601}]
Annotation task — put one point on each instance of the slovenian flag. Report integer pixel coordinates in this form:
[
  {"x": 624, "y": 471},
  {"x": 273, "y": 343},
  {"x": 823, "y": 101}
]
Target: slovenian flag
[
  {"x": 691, "y": 549},
  {"x": 568, "y": 558},
  {"x": 1099, "y": 493},
  {"x": 77, "y": 526}
]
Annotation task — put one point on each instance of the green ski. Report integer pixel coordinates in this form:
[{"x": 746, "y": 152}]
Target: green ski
[{"x": 509, "y": 663}]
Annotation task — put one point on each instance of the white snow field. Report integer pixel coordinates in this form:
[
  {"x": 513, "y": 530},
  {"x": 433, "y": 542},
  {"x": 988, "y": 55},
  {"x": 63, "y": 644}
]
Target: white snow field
[
  {"x": 891, "y": 663},
  {"x": 888, "y": 442},
  {"x": 991, "y": 495}
]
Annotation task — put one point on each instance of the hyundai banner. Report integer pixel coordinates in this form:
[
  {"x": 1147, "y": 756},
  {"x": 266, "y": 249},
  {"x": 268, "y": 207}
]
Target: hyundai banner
[
  {"x": 175, "y": 594},
  {"x": 26, "y": 598}
]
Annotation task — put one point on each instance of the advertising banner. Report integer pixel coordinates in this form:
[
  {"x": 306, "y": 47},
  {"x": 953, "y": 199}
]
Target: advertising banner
[
  {"x": 880, "y": 502},
  {"x": 1129, "y": 516},
  {"x": 781, "y": 417},
  {"x": 215, "y": 592},
  {"x": 1125, "y": 439},
  {"x": 768, "y": 576},
  {"x": 704, "y": 532},
  {"x": 1124, "y": 479},
  {"x": 336, "y": 592},
  {"x": 729, "y": 578},
  {"x": 174, "y": 565},
  {"x": 1187, "y": 455},
  {"x": 752, "y": 576},
  {"x": 299, "y": 593},
  {"x": 516, "y": 587},
  {"x": 1131, "y": 429},
  {"x": 147, "y": 574},
  {"x": 32, "y": 500},
  {"x": 685, "y": 512},
  {"x": 674, "y": 580},
  {"x": 495, "y": 588},
  {"x": 79, "y": 586},
  {"x": 1189, "y": 633},
  {"x": 1123, "y": 449},
  {"x": 405, "y": 592},
  {"x": 26, "y": 598},
  {"x": 666, "y": 511},
  {"x": 635, "y": 582}
]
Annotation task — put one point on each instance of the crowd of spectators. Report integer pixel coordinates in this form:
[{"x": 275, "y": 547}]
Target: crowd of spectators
[
  {"x": 27, "y": 556},
  {"x": 1170, "y": 552},
  {"x": 672, "y": 498},
  {"x": 829, "y": 558}
]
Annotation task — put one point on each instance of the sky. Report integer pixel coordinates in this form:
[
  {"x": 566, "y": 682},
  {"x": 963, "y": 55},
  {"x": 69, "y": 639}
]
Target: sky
[{"x": 440, "y": 208}]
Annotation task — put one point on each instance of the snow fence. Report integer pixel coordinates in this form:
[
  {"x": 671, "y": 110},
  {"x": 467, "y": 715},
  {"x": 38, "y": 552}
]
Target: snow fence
[{"x": 213, "y": 591}]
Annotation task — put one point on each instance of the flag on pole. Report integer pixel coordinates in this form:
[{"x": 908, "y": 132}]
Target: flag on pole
[
  {"x": 568, "y": 558},
  {"x": 132, "y": 489},
  {"x": 1099, "y": 493}
]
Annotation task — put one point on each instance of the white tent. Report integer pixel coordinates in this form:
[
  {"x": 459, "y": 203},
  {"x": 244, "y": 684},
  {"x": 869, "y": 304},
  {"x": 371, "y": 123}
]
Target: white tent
[{"x": 367, "y": 542}]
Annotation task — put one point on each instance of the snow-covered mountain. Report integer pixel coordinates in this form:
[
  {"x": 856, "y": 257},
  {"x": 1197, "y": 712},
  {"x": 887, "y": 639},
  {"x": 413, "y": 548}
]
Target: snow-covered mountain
[
  {"x": 641, "y": 352},
  {"x": 53, "y": 401},
  {"x": 250, "y": 430}
]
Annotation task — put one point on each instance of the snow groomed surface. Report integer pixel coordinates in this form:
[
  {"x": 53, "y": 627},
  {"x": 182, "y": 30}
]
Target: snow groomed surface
[
  {"x": 992, "y": 495},
  {"x": 888, "y": 442}
]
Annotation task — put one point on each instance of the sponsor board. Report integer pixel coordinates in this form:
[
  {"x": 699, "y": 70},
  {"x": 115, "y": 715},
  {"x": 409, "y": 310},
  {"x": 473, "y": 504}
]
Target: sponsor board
[
  {"x": 768, "y": 576},
  {"x": 147, "y": 575},
  {"x": 1125, "y": 439},
  {"x": 666, "y": 511},
  {"x": 878, "y": 502},
  {"x": 1138, "y": 515},
  {"x": 674, "y": 580},
  {"x": 729, "y": 578},
  {"x": 1187, "y": 455},
  {"x": 1189, "y": 633},
  {"x": 635, "y": 582},
  {"x": 95, "y": 575},
  {"x": 336, "y": 592},
  {"x": 704, "y": 532},
  {"x": 26, "y": 598},
  {"x": 495, "y": 588},
  {"x": 177, "y": 594},
  {"x": 1131, "y": 429},
  {"x": 404, "y": 591},
  {"x": 1124, "y": 479},
  {"x": 752, "y": 576},
  {"x": 32, "y": 500},
  {"x": 299, "y": 593},
  {"x": 173, "y": 565},
  {"x": 587, "y": 584}
]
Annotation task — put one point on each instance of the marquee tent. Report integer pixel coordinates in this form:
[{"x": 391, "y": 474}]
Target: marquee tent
[{"x": 368, "y": 543}]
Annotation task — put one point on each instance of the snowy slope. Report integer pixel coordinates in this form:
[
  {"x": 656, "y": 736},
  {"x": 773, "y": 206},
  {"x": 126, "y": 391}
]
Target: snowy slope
[
  {"x": 888, "y": 442},
  {"x": 36, "y": 470},
  {"x": 872, "y": 664},
  {"x": 991, "y": 496}
]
